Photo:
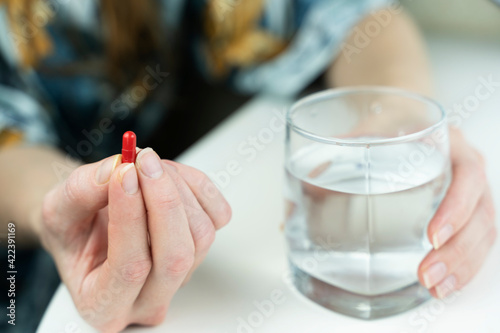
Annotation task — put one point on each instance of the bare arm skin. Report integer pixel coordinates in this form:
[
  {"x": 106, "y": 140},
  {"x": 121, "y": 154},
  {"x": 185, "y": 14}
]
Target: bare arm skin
[
  {"x": 396, "y": 57},
  {"x": 26, "y": 175}
]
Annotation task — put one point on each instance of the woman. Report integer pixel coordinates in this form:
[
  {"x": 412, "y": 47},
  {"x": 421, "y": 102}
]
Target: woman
[{"x": 76, "y": 74}]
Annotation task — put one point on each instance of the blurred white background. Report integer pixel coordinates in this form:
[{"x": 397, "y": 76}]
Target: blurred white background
[{"x": 468, "y": 18}]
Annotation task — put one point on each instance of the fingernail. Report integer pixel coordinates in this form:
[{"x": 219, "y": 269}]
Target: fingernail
[
  {"x": 106, "y": 169},
  {"x": 434, "y": 274},
  {"x": 442, "y": 236},
  {"x": 149, "y": 163},
  {"x": 446, "y": 287},
  {"x": 128, "y": 178}
]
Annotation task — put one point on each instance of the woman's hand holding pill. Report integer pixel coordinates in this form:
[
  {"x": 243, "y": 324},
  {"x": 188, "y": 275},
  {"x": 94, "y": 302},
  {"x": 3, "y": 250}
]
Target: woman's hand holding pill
[{"x": 125, "y": 237}]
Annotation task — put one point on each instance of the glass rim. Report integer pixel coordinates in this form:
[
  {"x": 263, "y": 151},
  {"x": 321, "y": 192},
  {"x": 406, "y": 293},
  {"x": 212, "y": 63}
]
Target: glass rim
[{"x": 336, "y": 92}]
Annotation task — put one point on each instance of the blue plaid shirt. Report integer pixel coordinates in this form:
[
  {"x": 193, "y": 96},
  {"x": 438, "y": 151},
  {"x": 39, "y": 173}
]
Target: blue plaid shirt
[{"x": 66, "y": 110}]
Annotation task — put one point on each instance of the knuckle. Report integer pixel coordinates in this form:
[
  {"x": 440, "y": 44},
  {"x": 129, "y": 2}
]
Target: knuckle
[
  {"x": 204, "y": 235},
  {"x": 225, "y": 214},
  {"x": 463, "y": 210},
  {"x": 49, "y": 211},
  {"x": 180, "y": 262},
  {"x": 156, "y": 316},
  {"x": 170, "y": 200},
  {"x": 464, "y": 274},
  {"x": 461, "y": 249},
  {"x": 204, "y": 185},
  {"x": 194, "y": 211},
  {"x": 136, "y": 272},
  {"x": 200, "y": 179},
  {"x": 52, "y": 230},
  {"x": 476, "y": 166},
  {"x": 72, "y": 186},
  {"x": 139, "y": 218}
]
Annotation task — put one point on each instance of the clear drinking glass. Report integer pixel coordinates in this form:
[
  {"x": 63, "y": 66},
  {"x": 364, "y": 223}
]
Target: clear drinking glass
[{"x": 366, "y": 170}]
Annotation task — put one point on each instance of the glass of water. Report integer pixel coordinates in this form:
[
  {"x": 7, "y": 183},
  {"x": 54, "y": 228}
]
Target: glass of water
[{"x": 366, "y": 171}]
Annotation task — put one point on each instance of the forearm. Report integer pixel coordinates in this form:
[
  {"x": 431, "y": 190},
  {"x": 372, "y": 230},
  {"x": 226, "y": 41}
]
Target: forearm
[
  {"x": 26, "y": 175},
  {"x": 395, "y": 57}
]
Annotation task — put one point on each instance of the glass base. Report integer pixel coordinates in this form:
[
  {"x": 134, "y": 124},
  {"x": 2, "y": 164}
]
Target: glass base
[{"x": 356, "y": 305}]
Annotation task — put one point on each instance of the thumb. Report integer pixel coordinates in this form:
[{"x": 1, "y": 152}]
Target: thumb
[{"x": 83, "y": 194}]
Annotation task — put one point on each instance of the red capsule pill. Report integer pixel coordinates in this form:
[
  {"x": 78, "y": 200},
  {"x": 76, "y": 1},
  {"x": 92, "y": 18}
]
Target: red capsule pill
[{"x": 128, "y": 147}]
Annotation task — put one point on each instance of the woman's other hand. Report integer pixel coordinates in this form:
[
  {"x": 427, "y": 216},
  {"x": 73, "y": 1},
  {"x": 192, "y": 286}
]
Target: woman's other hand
[{"x": 463, "y": 229}]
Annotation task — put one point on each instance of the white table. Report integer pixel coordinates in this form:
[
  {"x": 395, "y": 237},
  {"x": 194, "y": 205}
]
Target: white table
[{"x": 247, "y": 261}]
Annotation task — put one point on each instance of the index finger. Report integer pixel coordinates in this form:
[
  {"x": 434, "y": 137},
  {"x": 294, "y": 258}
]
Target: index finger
[{"x": 83, "y": 194}]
